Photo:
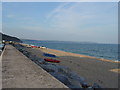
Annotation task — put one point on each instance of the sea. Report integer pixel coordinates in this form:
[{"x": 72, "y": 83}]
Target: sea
[{"x": 105, "y": 51}]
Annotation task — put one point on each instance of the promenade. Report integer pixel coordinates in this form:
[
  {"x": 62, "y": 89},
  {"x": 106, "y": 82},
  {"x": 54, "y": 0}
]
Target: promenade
[{"x": 20, "y": 72}]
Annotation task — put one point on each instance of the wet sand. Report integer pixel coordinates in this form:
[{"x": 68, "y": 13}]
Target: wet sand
[{"x": 94, "y": 70}]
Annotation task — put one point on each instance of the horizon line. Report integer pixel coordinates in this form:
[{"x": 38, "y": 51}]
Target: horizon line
[{"x": 70, "y": 41}]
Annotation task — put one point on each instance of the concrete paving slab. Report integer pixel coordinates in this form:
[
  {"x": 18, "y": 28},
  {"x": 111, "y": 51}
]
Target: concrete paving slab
[{"x": 20, "y": 72}]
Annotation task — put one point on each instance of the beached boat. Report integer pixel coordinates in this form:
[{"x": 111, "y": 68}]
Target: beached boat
[
  {"x": 51, "y": 60},
  {"x": 49, "y": 55},
  {"x": 34, "y": 46}
]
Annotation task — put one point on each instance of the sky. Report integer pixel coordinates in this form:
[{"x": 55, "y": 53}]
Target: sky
[{"x": 63, "y": 21}]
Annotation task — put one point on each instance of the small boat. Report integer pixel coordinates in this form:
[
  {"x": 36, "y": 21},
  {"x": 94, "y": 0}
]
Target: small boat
[
  {"x": 34, "y": 46},
  {"x": 49, "y": 55},
  {"x": 51, "y": 60}
]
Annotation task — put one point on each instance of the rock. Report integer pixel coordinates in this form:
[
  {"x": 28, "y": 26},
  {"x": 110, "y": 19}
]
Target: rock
[
  {"x": 95, "y": 85},
  {"x": 85, "y": 85}
]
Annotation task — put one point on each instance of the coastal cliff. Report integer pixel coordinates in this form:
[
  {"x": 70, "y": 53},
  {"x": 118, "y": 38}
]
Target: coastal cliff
[{"x": 9, "y": 38}]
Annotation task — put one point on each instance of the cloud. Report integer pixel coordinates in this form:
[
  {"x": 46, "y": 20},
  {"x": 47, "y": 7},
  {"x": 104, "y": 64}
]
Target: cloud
[
  {"x": 68, "y": 21},
  {"x": 57, "y": 10},
  {"x": 68, "y": 16},
  {"x": 73, "y": 16},
  {"x": 90, "y": 21}
]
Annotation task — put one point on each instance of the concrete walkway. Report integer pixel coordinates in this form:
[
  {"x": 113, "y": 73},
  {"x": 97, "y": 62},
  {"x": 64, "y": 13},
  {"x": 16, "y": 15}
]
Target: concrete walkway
[{"x": 20, "y": 72}]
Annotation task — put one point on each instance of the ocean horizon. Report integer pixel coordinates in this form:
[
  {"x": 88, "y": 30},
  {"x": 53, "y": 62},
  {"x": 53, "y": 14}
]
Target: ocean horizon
[{"x": 98, "y": 50}]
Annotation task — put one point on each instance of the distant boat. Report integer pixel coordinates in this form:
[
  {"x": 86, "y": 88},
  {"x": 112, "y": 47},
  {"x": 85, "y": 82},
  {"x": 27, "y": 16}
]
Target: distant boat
[
  {"x": 48, "y": 55},
  {"x": 51, "y": 60}
]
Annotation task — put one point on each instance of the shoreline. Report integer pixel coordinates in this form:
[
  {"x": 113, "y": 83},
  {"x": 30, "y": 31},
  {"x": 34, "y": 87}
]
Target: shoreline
[{"x": 81, "y": 55}]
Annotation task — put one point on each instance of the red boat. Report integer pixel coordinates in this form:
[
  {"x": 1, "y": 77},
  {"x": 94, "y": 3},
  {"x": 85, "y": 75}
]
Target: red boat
[
  {"x": 51, "y": 60},
  {"x": 34, "y": 46}
]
